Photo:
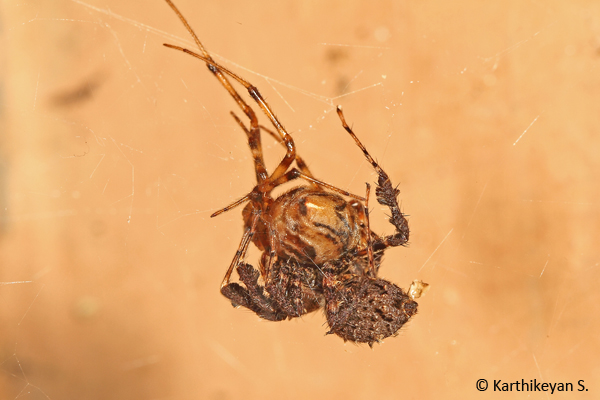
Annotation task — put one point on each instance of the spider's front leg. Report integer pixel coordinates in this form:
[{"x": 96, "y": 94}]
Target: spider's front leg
[
  {"x": 387, "y": 195},
  {"x": 251, "y": 296}
]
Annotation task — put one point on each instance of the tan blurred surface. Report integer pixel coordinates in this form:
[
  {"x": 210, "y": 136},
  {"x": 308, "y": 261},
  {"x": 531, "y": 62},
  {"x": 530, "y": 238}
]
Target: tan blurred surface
[{"x": 115, "y": 150}]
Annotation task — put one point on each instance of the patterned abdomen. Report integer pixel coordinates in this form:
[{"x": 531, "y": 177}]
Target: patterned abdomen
[{"x": 316, "y": 226}]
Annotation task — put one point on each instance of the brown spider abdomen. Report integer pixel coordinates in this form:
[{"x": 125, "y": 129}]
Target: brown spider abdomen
[
  {"x": 366, "y": 310},
  {"x": 315, "y": 226}
]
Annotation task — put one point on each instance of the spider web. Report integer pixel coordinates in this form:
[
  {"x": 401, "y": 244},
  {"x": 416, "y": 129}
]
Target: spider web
[{"x": 117, "y": 150}]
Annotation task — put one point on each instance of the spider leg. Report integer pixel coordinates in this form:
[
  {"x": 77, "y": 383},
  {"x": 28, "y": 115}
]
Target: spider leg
[
  {"x": 294, "y": 173},
  {"x": 252, "y": 295},
  {"x": 254, "y": 142},
  {"x": 255, "y": 94},
  {"x": 299, "y": 161},
  {"x": 220, "y": 71},
  {"x": 213, "y": 67},
  {"x": 372, "y": 270},
  {"x": 387, "y": 195},
  {"x": 255, "y": 145},
  {"x": 306, "y": 174},
  {"x": 232, "y": 205},
  {"x": 240, "y": 254}
]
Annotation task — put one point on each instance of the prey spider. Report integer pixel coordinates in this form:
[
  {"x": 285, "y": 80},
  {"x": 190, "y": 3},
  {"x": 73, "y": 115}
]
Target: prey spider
[{"x": 318, "y": 250}]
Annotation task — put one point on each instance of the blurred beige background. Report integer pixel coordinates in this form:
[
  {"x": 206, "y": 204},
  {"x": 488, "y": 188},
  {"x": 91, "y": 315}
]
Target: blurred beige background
[{"x": 114, "y": 151}]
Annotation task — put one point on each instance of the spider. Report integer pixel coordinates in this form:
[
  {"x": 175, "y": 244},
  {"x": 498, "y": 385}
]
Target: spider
[{"x": 317, "y": 247}]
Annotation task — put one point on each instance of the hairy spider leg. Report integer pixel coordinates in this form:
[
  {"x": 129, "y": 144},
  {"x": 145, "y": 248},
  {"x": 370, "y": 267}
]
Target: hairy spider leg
[{"x": 387, "y": 195}]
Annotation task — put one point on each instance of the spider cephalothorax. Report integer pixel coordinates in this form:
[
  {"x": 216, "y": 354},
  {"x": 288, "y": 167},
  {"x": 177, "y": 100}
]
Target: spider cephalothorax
[{"x": 317, "y": 247}]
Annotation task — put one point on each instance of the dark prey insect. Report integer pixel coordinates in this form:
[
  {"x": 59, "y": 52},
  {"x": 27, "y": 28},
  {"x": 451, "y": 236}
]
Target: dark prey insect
[{"x": 317, "y": 247}]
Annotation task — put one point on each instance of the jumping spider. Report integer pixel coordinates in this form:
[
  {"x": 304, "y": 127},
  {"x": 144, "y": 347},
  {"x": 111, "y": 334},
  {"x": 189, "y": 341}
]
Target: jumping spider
[{"x": 317, "y": 247}]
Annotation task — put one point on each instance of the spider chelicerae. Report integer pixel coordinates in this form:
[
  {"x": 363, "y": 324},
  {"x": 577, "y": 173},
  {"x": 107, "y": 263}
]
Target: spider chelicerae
[{"x": 318, "y": 250}]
